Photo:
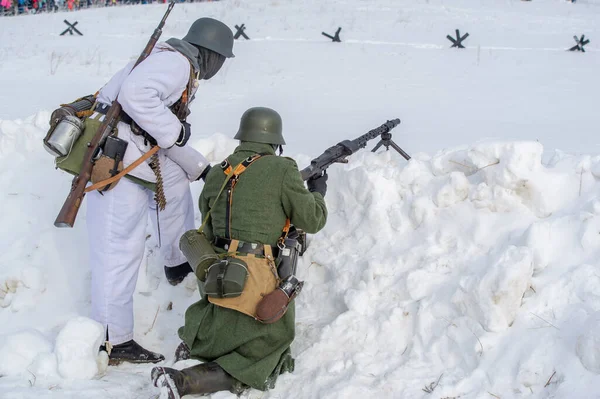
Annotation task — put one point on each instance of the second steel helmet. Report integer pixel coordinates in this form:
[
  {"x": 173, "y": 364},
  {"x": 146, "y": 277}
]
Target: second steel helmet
[
  {"x": 261, "y": 125},
  {"x": 211, "y": 34}
]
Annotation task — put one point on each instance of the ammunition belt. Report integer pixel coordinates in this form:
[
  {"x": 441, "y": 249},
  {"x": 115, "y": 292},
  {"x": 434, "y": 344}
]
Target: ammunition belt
[
  {"x": 103, "y": 109},
  {"x": 244, "y": 247}
]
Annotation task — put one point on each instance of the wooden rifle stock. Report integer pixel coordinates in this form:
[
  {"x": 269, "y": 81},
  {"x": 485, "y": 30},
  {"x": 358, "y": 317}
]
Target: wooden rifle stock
[{"x": 68, "y": 213}]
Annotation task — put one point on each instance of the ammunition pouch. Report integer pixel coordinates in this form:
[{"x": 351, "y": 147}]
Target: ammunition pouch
[{"x": 226, "y": 278}]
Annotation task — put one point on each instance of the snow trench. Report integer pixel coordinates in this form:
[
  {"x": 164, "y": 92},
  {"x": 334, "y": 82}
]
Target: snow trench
[{"x": 466, "y": 273}]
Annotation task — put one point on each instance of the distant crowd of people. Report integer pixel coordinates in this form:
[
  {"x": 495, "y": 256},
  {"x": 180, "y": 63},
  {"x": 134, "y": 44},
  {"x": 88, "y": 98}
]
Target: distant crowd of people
[{"x": 21, "y": 7}]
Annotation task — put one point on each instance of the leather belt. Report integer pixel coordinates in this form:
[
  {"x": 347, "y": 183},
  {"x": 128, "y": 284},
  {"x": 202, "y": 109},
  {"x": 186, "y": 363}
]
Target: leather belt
[
  {"x": 244, "y": 247},
  {"x": 103, "y": 109}
]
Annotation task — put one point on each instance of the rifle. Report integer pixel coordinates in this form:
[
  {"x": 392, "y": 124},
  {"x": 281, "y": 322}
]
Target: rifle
[
  {"x": 339, "y": 152},
  {"x": 68, "y": 213}
]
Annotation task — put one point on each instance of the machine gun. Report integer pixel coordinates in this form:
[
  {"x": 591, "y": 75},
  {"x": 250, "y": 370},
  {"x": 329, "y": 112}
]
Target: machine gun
[
  {"x": 339, "y": 152},
  {"x": 68, "y": 213}
]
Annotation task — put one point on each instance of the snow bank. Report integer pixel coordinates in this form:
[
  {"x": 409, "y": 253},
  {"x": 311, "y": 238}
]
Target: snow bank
[
  {"x": 74, "y": 355},
  {"x": 77, "y": 349},
  {"x": 470, "y": 272},
  {"x": 21, "y": 289},
  {"x": 493, "y": 298},
  {"x": 18, "y": 351},
  {"x": 433, "y": 271}
]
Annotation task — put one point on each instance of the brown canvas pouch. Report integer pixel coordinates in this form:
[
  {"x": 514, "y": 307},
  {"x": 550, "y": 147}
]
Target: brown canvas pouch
[
  {"x": 102, "y": 171},
  {"x": 262, "y": 280}
]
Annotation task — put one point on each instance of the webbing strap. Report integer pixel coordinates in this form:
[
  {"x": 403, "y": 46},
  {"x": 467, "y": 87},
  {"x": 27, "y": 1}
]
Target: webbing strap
[
  {"x": 221, "y": 277},
  {"x": 284, "y": 234},
  {"x": 238, "y": 170},
  {"x": 229, "y": 176},
  {"x": 230, "y": 172}
]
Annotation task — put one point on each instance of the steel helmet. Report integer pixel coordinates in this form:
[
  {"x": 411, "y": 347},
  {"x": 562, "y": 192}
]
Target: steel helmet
[
  {"x": 261, "y": 125},
  {"x": 211, "y": 34}
]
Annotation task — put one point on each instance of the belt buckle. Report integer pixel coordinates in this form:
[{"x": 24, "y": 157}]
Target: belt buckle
[{"x": 248, "y": 247}]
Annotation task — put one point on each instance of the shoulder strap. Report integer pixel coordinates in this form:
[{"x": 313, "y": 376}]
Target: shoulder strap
[
  {"x": 185, "y": 99},
  {"x": 237, "y": 171},
  {"x": 227, "y": 168},
  {"x": 180, "y": 108},
  {"x": 231, "y": 173}
]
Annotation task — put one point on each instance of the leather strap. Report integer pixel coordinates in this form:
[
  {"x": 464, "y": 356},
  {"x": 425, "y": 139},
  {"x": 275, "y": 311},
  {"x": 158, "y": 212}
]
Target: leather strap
[
  {"x": 220, "y": 277},
  {"x": 235, "y": 175},
  {"x": 128, "y": 169}
]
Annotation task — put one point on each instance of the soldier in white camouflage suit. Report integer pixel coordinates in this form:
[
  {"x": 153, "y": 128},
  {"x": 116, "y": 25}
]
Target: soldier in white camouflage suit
[{"x": 117, "y": 219}]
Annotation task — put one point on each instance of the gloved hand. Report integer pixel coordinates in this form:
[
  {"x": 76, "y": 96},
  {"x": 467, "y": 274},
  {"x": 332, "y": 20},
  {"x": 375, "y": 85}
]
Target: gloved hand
[
  {"x": 184, "y": 136},
  {"x": 318, "y": 184}
]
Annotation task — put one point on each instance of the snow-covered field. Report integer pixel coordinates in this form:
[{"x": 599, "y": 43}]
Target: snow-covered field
[{"x": 470, "y": 271}]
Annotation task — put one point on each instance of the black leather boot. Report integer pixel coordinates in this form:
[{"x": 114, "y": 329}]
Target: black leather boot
[
  {"x": 132, "y": 352},
  {"x": 202, "y": 379},
  {"x": 176, "y": 274},
  {"x": 182, "y": 352}
]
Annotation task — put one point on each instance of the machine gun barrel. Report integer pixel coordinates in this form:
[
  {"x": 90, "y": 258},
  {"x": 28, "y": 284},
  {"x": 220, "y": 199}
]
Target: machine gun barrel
[{"x": 339, "y": 152}]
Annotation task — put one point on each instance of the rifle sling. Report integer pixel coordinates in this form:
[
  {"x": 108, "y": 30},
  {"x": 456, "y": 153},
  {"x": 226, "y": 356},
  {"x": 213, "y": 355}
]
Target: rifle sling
[{"x": 128, "y": 169}]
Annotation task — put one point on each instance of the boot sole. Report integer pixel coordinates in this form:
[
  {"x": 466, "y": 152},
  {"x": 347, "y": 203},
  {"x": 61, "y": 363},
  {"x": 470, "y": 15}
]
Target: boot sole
[{"x": 165, "y": 382}]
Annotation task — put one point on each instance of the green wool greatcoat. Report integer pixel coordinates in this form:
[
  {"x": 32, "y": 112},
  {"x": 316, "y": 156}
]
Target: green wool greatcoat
[{"x": 267, "y": 193}]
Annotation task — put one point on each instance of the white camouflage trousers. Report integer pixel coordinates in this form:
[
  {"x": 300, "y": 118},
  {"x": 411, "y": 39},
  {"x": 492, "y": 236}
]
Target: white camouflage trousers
[{"x": 117, "y": 222}]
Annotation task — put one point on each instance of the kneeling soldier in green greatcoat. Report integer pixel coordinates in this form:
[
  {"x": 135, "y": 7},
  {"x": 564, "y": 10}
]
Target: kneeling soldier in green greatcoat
[{"x": 247, "y": 215}]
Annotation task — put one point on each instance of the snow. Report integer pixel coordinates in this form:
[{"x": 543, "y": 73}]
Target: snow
[
  {"x": 77, "y": 349},
  {"x": 19, "y": 350},
  {"x": 73, "y": 356},
  {"x": 470, "y": 271},
  {"x": 588, "y": 347}
]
